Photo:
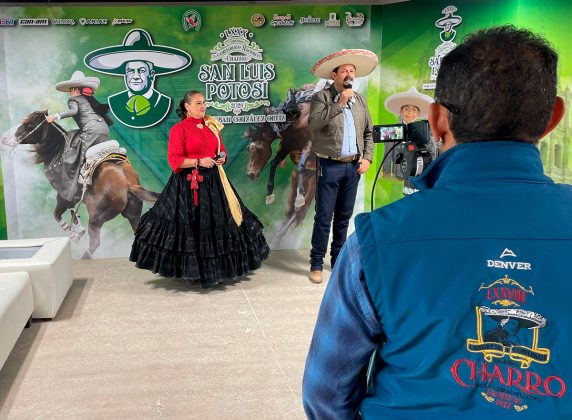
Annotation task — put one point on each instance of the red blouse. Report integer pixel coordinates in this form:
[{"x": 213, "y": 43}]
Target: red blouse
[{"x": 187, "y": 140}]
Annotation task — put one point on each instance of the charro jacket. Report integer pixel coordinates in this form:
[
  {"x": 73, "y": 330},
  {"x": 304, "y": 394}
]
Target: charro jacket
[
  {"x": 82, "y": 112},
  {"x": 470, "y": 279},
  {"x": 327, "y": 124}
]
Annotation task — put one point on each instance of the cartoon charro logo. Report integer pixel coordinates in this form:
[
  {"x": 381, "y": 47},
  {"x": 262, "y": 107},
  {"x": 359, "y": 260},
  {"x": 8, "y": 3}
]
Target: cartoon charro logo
[
  {"x": 447, "y": 25},
  {"x": 139, "y": 61},
  {"x": 508, "y": 338}
]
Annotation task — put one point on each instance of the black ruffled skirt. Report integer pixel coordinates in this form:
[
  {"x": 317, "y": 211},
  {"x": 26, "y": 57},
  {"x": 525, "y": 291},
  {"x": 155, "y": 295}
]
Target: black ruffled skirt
[{"x": 175, "y": 238}]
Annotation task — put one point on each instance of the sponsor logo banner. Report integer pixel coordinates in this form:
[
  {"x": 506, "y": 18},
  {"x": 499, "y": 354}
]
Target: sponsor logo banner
[{"x": 34, "y": 22}]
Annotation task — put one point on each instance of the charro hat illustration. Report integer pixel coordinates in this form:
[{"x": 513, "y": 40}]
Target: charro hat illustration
[
  {"x": 137, "y": 46},
  {"x": 526, "y": 319},
  {"x": 77, "y": 80},
  {"x": 365, "y": 62},
  {"x": 450, "y": 19},
  {"x": 411, "y": 97}
]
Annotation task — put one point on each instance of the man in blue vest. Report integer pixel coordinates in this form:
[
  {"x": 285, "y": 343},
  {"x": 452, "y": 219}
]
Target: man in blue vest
[{"x": 454, "y": 301}]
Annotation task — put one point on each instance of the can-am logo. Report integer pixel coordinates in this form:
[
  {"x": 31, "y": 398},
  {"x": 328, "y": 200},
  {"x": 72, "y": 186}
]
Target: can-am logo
[{"x": 33, "y": 22}]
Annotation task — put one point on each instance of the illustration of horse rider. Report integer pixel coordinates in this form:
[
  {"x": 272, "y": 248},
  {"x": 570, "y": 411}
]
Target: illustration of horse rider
[{"x": 93, "y": 122}]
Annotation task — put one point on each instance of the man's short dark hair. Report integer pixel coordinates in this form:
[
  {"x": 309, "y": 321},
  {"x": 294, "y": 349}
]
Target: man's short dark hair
[{"x": 498, "y": 84}]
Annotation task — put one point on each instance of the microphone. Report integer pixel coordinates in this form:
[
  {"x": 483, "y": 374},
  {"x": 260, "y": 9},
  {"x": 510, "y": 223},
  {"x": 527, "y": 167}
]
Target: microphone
[
  {"x": 221, "y": 155},
  {"x": 348, "y": 84}
]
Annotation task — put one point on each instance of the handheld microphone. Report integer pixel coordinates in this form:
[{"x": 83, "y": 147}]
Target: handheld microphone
[
  {"x": 348, "y": 83},
  {"x": 221, "y": 155}
]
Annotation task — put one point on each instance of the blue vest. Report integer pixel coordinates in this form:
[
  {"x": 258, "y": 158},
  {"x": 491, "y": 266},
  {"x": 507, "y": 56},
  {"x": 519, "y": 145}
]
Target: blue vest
[{"x": 470, "y": 278}]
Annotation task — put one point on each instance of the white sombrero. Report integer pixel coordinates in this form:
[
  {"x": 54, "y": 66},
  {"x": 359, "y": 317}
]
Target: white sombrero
[
  {"x": 137, "y": 46},
  {"x": 78, "y": 80},
  {"x": 411, "y": 97},
  {"x": 365, "y": 62}
]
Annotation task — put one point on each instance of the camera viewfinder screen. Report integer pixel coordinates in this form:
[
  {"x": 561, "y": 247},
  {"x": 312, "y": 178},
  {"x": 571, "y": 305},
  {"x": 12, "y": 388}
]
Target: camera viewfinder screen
[{"x": 392, "y": 132}]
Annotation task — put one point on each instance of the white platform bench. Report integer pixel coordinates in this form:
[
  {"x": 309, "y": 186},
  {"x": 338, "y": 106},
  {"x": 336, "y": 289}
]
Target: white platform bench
[
  {"x": 16, "y": 307},
  {"x": 48, "y": 261}
]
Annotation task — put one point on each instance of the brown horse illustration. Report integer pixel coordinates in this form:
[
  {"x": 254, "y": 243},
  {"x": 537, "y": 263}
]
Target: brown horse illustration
[
  {"x": 295, "y": 141},
  {"x": 115, "y": 185}
]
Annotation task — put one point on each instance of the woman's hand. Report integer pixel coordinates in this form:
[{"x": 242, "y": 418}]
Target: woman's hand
[
  {"x": 50, "y": 118},
  {"x": 207, "y": 162},
  {"x": 220, "y": 161}
]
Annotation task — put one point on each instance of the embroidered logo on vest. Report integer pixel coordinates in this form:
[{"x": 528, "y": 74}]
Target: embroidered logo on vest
[{"x": 508, "y": 341}]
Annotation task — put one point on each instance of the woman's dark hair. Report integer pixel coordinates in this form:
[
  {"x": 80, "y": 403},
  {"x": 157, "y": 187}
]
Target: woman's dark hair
[
  {"x": 181, "y": 110},
  {"x": 99, "y": 108},
  {"x": 498, "y": 84}
]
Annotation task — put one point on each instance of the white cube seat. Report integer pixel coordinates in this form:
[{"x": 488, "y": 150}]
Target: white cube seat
[
  {"x": 16, "y": 307},
  {"x": 48, "y": 261}
]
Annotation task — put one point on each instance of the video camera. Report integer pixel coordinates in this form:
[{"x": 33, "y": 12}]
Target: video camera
[{"x": 411, "y": 153}]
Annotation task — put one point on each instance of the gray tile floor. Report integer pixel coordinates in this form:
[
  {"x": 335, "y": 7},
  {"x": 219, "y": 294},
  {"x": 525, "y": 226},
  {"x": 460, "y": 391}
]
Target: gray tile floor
[{"x": 127, "y": 344}]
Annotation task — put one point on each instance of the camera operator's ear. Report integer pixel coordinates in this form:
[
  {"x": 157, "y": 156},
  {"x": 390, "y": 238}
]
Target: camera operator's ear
[
  {"x": 439, "y": 122},
  {"x": 557, "y": 115}
]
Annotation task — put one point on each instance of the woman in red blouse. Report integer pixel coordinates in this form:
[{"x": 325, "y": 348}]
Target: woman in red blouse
[{"x": 198, "y": 229}]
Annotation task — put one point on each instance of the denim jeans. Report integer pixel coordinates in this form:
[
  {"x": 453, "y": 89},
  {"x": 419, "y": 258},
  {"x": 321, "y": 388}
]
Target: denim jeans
[{"x": 335, "y": 198}]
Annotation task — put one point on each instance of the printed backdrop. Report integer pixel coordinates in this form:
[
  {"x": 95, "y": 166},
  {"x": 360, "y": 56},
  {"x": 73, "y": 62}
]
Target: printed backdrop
[
  {"x": 411, "y": 40},
  {"x": 252, "y": 63}
]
